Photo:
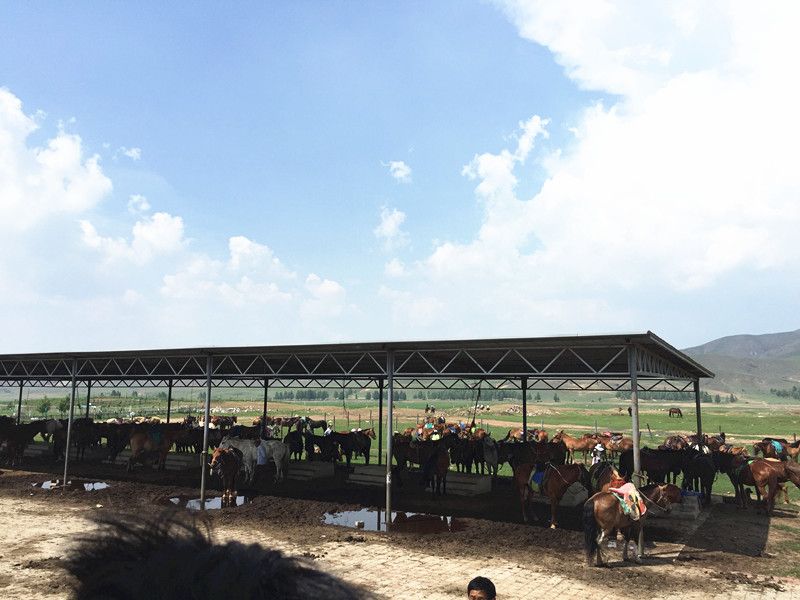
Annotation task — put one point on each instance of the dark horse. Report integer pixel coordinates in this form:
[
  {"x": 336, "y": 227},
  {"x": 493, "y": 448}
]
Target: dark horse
[{"x": 557, "y": 478}]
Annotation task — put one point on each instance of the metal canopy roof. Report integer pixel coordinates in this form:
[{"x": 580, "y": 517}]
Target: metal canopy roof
[{"x": 574, "y": 362}]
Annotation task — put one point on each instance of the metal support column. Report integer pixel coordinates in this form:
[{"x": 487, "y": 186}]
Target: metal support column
[
  {"x": 206, "y": 419},
  {"x": 380, "y": 421},
  {"x": 88, "y": 396},
  {"x": 524, "y": 385},
  {"x": 390, "y": 399},
  {"x": 71, "y": 418},
  {"x": 169, "y": 400},
  {"x": 19, "y": 404},
  {"x": 264, "y": 412},
  {"x": 637, "y": 463},
  {"x": 634, "y": 414},
  {"x": 697, "y": 407}
]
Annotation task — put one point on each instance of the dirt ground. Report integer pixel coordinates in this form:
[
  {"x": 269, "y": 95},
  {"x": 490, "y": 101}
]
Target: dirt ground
[{"x": 732, "y": 554}]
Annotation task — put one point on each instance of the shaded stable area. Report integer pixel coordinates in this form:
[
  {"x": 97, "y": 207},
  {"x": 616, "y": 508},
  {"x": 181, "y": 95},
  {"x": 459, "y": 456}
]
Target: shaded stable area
[{"x": 629, "y": 362}]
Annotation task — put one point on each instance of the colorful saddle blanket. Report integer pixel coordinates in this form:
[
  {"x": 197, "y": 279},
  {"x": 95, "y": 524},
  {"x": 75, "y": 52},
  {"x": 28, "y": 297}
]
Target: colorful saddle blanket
[
  {"x": 536, "y": 480},
  {"x": 631, "y": 500},
  {"x": 777, "y": 445}
]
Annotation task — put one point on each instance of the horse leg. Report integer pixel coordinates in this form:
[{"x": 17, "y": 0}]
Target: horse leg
[
  {"x": 553, "y": 505},
  {"x": 524, "y": 502},
  {"x": 601, "y": 538}
]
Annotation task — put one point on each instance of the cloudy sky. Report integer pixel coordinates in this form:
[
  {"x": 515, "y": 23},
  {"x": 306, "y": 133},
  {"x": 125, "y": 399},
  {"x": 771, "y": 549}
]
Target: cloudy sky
[{"x": 306, "y": 172}]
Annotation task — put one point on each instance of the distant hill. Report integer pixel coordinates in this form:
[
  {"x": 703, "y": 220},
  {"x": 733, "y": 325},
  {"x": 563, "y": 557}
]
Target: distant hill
[{"x": 751, "y": 363}]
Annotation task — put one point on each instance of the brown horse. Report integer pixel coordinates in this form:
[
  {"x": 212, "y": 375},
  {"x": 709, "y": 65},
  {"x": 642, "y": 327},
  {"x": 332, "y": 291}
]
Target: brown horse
[
  {"x": 765, "y": 475},
  {"x": 226, "y": 463},
  {"x": 154, "y": 440},
  {"x": 603, "y": 513},
  {"x": 676, "y": 412},
  {"x": 768, "y": 450},
  {"x": 557, "y": 478},
  {"x": 583, "y": 445},
  {"x": 604, "y": 475}
]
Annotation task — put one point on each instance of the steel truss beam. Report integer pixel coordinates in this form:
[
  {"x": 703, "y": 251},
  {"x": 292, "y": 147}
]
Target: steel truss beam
[{"x": 568, "y": 366}]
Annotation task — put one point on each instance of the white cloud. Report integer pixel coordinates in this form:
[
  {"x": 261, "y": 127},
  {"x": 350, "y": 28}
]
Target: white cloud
[
  {"x": 246, "y": 254},
  {"x": 138, "y": 204},
  {"x": 153, "y": 236},
  {"x": 394, "y": 268},
  {"x": 399, "y": 170},
  {"x": 132, "y": 153},
  {"x": 37, "y": 183},
  {"x": 685, "y": 179},
  {"x": 389, "y": 230}
]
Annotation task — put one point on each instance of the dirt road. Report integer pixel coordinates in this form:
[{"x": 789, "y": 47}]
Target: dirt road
[{"x": 38, "y": 526}]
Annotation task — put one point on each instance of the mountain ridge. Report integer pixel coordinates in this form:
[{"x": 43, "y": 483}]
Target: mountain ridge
[{"x": 751, "y": 363}]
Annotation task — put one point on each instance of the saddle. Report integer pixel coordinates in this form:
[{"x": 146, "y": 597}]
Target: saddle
[
  {"x": 631, "y": 500},
  {"x": 777, "y": 445},
  {"x": 536, "y": 480}
]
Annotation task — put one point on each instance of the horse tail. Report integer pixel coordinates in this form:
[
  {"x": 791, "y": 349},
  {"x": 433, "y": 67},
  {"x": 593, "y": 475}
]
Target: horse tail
[
  {"x": 589, "y": 529},
  {"x": 285, "y": 461}
]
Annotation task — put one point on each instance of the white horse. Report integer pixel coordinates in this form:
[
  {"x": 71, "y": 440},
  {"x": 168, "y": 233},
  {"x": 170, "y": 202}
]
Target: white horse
[{"x": 260, "y": 452}]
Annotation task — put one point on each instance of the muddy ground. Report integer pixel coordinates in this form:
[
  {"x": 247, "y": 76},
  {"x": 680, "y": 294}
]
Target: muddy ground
[{"x": 732, "y": 553}]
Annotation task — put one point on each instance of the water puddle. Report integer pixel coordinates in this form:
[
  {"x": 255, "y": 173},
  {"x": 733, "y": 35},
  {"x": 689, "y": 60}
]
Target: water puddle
[
  {"x": 211, "y": 503},
  {"x": 87, "y": 486},
  {"x": 371, "y": 519}
]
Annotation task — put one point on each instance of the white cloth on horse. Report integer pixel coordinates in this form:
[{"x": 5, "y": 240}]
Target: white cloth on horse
[{"x": 328, "y": 431}]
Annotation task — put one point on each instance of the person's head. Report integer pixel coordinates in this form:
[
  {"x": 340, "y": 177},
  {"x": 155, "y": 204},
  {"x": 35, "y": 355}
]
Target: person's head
[
  {"x": 481, "y": 588},
  {"x": 170, "y": 557}
]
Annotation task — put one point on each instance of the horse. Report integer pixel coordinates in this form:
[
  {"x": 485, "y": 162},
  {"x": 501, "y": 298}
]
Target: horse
[
  {"x": 765, "y": 475},
  {"x": 308, "y": 423},
  {"x": 657, "y": 464},
  {"x": 583, "y": 445},
  {"x": 321, "y": 445},
  {"x": 348, "y": 442},
  {"x": 490, "y": 455},
  {"x": 259, "y": 452},
  {"x": 152, "y": 440},
  {"x": 17, "y": 438},
  {"x": 364, "y": 443},
  {"x": 434, "y": 471},
  {"x": 603, "y": 513},
  {"x": 294, "y": 439},
  {"x": 225, "y": 464},
  {"x": 768, "y": 447},
  {"x": 557, "y": 478},
  {"x": 84, "y": 434},
  {"x": 699, "y": 471},
  {"x": 674, "y": 442},
  {"x": 603, "y": 475},
  {"x": 675, "y": 412}
]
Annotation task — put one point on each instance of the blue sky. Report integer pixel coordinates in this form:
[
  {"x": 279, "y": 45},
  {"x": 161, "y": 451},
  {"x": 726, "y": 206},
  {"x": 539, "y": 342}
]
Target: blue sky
[{"x": 297, "y": 172}]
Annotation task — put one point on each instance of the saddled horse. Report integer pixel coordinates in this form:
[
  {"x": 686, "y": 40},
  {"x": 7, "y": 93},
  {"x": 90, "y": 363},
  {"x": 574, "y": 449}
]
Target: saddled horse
[
  {"x": 771, "y": 448},
  {"x": 603, "y": 513},
  {"x": 557, "y": 478},
  {"x": 226, "y": 463},
  {"x": 674, "y": 442},
  {"x": 765, "y": 475}
]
